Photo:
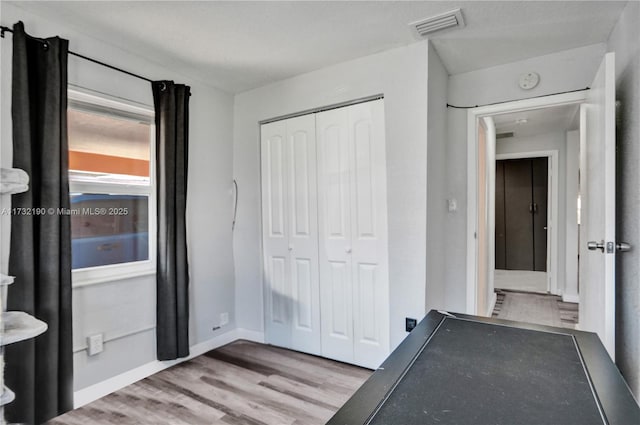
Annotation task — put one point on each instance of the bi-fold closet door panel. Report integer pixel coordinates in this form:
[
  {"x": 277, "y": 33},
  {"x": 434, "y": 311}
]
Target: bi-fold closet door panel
[
  {"x": 334, "y": 201},
  {"x": 275, "y": 235},
  {"x": 353, "y": 234},
  {"x": 290, "y": 233}
]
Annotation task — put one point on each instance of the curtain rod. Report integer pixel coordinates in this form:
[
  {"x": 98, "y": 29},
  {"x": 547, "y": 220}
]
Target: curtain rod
[
  {"x": 4, "y": 29},
  {"x": 507, "y": 101}
]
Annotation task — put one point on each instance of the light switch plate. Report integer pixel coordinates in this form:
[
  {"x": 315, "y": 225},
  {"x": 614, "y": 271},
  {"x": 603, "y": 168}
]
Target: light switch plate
[{"x": 224, "y": 319}]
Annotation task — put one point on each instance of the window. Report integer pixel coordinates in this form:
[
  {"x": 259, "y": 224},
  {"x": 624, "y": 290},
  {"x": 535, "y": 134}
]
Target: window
[{"x": 112, "y": 188}]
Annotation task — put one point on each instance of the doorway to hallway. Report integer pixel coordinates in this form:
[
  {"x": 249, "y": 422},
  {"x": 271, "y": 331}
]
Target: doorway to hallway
[
  {"x": 527, "y": 202},
  {"x": 521, "y": 231}
]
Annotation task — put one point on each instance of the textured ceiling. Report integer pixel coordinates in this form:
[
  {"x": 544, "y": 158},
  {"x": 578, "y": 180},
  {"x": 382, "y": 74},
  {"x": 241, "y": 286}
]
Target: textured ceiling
[
  {"x": 539, "y": 121},
  {"x": 241, "y": 45}
]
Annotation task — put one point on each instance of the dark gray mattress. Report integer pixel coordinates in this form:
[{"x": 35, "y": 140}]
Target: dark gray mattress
[{"x": 476, "y": 373}]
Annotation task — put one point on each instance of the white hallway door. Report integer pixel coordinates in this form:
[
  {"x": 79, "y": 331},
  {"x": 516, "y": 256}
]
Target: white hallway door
[
  {"x": 597, "y": 193},
  {"x": 354, "y": 280},
  {"x": 324, "y": 221}
]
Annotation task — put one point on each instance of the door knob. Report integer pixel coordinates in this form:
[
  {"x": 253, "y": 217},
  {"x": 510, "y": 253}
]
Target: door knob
[
  {"x": 593, "y": 245},
  {"x": 623, "y": 247},
  {"x": 347, "y": 249},
  {"x": 290, "y": 247}
]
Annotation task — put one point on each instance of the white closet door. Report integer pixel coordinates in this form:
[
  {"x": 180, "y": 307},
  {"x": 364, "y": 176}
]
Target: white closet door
[
  {"x": 303, "y": 234},
  {"x": 352, "y": 198},
  {"x": 369, "y": 256},
  {"x": 334, "y": 210},
  {"x": 275, "y": 235}
]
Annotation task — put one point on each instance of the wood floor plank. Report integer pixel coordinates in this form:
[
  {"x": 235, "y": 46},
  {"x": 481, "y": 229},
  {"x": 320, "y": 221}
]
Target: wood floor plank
[
  {"x": 279, "y": 402},
  {"x": 299, "y": 397},
  {"x": 262, "y": 366},
  {"x": 320, "y": 395},
  {"x": 223, "y": 401},
  {"x": 214, "y": 367},
  {"x": 301, "y": 363},
  {"x": 184, "y": 409},
  {"x": 289, "y": 366},
  {"x": 326, "y": 364},
  {"x": 243, "y": 383}
]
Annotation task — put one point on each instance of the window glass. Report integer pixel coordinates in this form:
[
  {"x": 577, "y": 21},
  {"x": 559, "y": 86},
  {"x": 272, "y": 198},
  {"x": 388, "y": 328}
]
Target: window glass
[
  {"x": 109, "y": 169},
  {"x": 102, "y": 144},
  {"x": 109, "y": 229}
]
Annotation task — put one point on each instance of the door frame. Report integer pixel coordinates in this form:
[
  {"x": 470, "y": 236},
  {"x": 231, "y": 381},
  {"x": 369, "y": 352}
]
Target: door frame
[
  {"x": 473, "y": 116},
  {"x": 552, "y": 209}
]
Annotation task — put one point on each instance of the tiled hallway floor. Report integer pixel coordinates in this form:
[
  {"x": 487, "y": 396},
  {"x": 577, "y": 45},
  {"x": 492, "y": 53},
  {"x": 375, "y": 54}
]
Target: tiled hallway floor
[{"x": 540, "y": 309}]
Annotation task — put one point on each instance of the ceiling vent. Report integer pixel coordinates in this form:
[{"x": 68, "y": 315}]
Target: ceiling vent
[
  {"x": 424, "y": 27},
  {"x": 504, "y": 135}
]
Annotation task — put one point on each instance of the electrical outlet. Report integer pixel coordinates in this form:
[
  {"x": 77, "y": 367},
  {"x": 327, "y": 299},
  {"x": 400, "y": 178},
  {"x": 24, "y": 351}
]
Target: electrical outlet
[
  {"x": 224, "y": 319},
  {"x": 409, "y": 324},
  {"x": 95, "y": 344}
]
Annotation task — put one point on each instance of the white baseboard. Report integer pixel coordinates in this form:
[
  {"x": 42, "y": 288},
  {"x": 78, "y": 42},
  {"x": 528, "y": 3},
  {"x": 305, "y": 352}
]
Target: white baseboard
[
  {"x": 250, "y": 335},
  {"x": 101, "y": 389},
  {"x": 492, "y": 304},
  {"x": 571, "y": 298}
]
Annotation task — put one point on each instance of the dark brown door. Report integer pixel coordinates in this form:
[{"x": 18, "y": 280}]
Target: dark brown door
[
  {"x": 501, "y": 249},
  {"x": 540, "y": 179},
  {"x": 521, "y": 214}
]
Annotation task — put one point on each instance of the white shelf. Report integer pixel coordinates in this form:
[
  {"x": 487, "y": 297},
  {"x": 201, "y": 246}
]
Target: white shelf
[
  {"x": 19, "y": 326},
  {"x": 13, "y": 180},
  {"x": 6, "y": 280},
  {"x": 13, "y": 188},
  {"x": 7, "y": 396}
]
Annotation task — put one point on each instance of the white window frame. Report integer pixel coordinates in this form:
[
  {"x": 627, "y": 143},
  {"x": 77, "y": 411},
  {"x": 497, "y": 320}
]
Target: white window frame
[{"x": 121, "y": 108}]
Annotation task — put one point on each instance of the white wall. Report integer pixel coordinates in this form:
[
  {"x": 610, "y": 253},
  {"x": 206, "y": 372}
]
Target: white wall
[
  {"x": 624, "y": 41},
  {"x": 437, "y": 186},
  {"x": 545, "y": 142},
  {"x": 562, "y": 71},
  {"x": 128, "y": 306},
  {"x": 399, "y": 74}
]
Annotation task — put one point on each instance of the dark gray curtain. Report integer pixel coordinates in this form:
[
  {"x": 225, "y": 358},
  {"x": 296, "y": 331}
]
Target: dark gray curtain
[
  {"x": 171, "y": 103},
  {"x": 40, "y": 370}
]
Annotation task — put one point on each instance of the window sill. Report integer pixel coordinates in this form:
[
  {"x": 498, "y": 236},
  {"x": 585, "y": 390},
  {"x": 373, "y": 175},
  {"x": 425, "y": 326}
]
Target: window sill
[{"x": 113, "y": 273}]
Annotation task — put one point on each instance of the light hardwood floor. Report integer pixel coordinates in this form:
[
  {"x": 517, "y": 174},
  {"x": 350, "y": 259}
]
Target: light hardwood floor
[{"x": 241, "y": 383}]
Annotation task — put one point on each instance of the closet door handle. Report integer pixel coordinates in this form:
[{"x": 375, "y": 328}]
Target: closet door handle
[
  {"x": 347, "y": 249},
  {"x": 290, "y": 247}
]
